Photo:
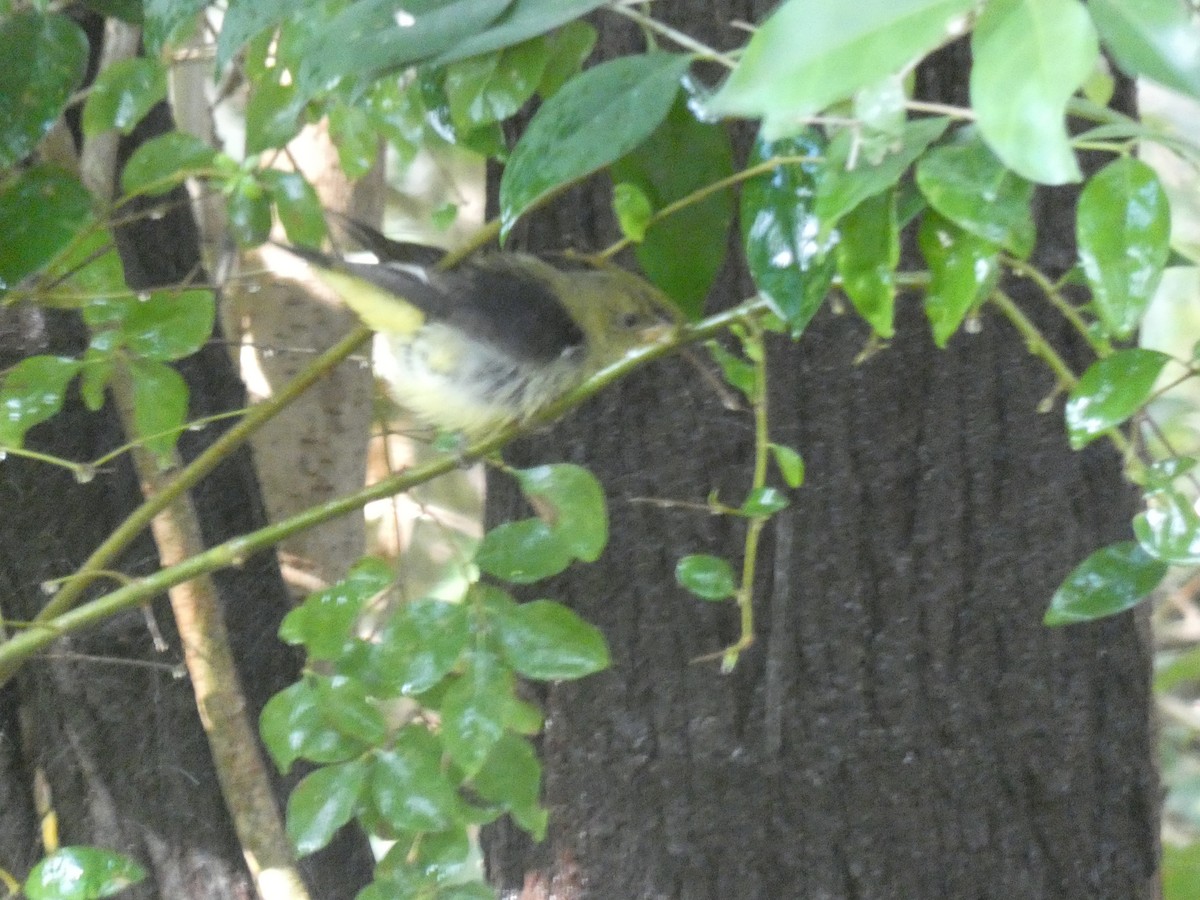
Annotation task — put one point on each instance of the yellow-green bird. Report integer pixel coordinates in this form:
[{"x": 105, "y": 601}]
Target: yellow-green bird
[{"x": 495, "y": 339}]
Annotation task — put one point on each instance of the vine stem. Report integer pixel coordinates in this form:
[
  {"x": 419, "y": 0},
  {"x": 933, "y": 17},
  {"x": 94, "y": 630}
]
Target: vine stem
[
  {"x": 686, "y": 41},
  {"x": 1037, "y": 344},
  {"x": 45, "y": 629}
]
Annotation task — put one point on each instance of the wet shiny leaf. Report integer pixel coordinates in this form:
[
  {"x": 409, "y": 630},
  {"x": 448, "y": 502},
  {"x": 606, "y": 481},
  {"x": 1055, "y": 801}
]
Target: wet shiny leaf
[
  {"x": 1123, "y": 227},
  {"x": 1110, "y": 581},
  {"x": 1110, "y": 391}
]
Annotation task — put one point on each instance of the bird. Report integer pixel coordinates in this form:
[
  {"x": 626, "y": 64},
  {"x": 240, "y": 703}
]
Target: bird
[{"x": 494, "y": 340}]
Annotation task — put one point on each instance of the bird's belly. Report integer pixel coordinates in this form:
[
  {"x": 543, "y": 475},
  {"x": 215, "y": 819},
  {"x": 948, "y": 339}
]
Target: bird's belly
[{"x": 458, "y": 385}]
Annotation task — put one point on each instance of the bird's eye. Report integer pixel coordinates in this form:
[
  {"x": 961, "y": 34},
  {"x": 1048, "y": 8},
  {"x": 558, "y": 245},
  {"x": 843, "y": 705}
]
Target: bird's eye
[{"x": 629, "y": 320}]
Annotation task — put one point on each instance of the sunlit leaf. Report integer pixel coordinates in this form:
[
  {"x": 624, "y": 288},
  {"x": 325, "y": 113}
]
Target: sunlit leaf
[
  {"x": 1029, "y": 57},
  {"x": 1156, "y": 39},
  {"x": 810, "y": 54}
]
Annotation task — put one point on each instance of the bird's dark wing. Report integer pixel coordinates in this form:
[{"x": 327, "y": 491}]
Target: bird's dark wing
[
  {"x": 504, "y": 300},
  {"x": 508, "y": 301}
]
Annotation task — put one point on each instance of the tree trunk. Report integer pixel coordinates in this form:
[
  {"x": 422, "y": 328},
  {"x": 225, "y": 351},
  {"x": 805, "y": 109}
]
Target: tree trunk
[{"x": 904, "y": 726}]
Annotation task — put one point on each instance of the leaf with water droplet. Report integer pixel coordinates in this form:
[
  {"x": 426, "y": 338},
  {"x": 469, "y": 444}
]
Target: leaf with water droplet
[
  {"x": 1110, "y": 391},
  {"x": 32, "y": 392},
  {"x": 1110, "y": 581}
]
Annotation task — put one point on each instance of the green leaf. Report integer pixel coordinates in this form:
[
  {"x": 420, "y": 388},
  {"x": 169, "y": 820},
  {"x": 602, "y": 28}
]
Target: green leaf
[
  {"x": 169, "y": 21},
  {"x": 160, "y": 402},
  {"x": 32, "y": 392},
  {"x": 246, "y": 19},
  {"x": 444, "y": 856},
  {"x": 738, "y": 371},
  {"x": 596, "y": 118},
  {"x": 323, "y": 622},
  {"x": 492, "y": 87},
  {"x": 169, "y": 325},
  {"x": 683, "y": 252},
  {"x": 299, "y": 207},
  {"x": 45, "y": 56},
  {"x": 546, "y": 641},
  {"x": 97, "y": 369},
  {"x": 1123, "y": 228},
  {"x": 764, "y": 501},
  {"x": 418, "y": 647},
  {"x": 473, "y": 710},
  {"x": 292, "y": 727},
  {"x": 570, "y": 500},
  {"x": 370, "y": 37},
  {"x": 344, "y": 704},
  {"x": 354, "y": 135},
  {"x": 790, "y": 464},
  {"x": 248, "y": 207},
  {"x": 523, "y": 552},
  {"x": 791, "y": 268},
  {"x": 1110, "y": 581},
  {"x": 91, "y": 268},
  {"x": 867, "y": 257},
  {"x": 568, "y": 49},
  {"x": 633, "y": 210},
  {"x": 1110, "y": 391},
  {"x": 41, "y": 210},
  {"x": 708, "y": 577},
  {"x": 963, "y": 271},
  {"x": 81, "y": 873},
  {"x": 408, "y": 787},
  {"x": 1169, "y": 528},
  {"x": 272, "y": 115},
  {"x": 522, "y": 20},
  {"x": 968, "y": 184},
  {"x": 322, "y": 803},
  {"x": 122, "y": 94},
  {"x": 1180, "y": 870},
  {"x": 126, "y": 10},
  {"x": 810, "y": 54},
  {"x": 1030, "y": 56},
  {"x": 1156, "y": 39},
  {"x": 840, "y": 189},
  {"x": 512, "y": 776},
  {"x": 166, "y": 161}
]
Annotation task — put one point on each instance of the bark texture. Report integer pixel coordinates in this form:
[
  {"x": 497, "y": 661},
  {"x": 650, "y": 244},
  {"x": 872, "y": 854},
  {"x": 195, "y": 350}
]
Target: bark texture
[{"x": 904, "y": 727}]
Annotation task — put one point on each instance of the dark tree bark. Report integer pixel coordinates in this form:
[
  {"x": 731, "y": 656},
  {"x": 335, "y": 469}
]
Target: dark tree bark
[
  {"x": 904, "y": 726},
  {"x": 110, "y": 721}
]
